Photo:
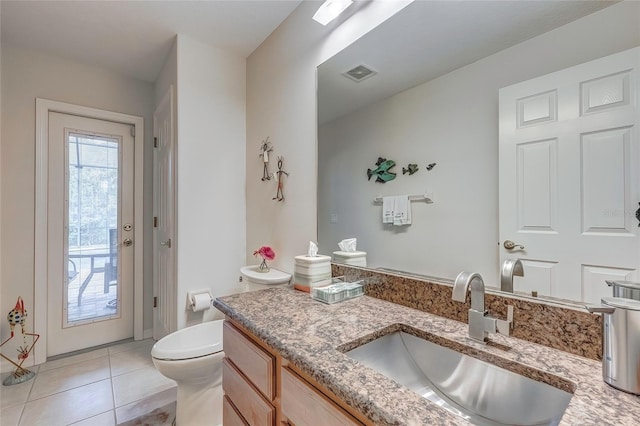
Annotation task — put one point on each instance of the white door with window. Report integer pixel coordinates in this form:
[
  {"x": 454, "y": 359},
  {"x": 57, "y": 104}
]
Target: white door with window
[
  {"x": 90, "y": 228},
  {"x": 570, "y": 178}
]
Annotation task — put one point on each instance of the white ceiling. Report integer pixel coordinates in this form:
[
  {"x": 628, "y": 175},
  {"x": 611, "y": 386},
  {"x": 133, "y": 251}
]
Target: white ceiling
[
  {"x": 134, "y": 37},
  {"x": 428, "y": 39}
]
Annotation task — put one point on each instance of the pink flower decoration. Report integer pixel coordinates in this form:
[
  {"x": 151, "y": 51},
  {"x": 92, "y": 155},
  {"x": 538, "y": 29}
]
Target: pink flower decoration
[{"x": 266, "y": 252}]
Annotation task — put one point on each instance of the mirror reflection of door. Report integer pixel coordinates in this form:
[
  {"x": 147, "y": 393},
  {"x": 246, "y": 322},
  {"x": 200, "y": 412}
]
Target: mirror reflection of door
[
  {"x": 446, "y": 117},
  {"x": 570, "y": 177},
  {"x": 90, "y": 226}
]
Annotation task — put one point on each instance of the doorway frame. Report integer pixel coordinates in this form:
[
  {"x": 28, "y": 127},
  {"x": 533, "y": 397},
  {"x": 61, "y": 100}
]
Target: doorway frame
[{"x": 41, "y": 254}]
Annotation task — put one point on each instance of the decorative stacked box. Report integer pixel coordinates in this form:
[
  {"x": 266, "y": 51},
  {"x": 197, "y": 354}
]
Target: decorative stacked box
[
  {"x": 311, "y": 271},
  {"x": 337, "y": 291}
]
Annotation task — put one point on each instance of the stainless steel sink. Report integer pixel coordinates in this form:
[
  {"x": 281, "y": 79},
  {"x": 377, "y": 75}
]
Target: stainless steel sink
[{"x": 478, "y": 391}]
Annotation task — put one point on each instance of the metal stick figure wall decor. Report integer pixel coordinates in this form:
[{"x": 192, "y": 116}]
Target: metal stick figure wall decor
[
  {"x": 18, "y": 316},
  {"x": 278, "y": 177},
  {"x": 266, "y": 148}
]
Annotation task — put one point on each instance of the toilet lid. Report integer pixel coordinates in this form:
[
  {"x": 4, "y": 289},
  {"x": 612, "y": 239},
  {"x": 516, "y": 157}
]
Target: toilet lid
[
  {"x": 272, "y": 277},
  {"x": 190, "y": 342}
]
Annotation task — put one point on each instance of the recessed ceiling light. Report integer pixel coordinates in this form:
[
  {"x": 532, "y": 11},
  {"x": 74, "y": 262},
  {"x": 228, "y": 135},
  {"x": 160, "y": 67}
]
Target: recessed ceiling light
[{"x": 330, "y": 10}]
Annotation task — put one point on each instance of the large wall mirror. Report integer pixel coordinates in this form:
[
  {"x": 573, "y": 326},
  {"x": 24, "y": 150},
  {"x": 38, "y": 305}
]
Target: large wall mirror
[{"x": 434, "y": 98}]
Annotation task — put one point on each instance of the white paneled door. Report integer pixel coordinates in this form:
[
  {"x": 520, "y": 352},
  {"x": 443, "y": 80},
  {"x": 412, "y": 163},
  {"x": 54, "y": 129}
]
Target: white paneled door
[
  {"x": 164, "y": 244},
  {"x": 570, "y": 178},
  {"x": 90, "y": 232}
]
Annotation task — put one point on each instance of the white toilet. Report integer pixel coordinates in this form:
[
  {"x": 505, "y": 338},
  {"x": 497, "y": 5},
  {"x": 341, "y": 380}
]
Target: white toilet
[
  {"x": 253, "y": 279},
  {"x": 193, "y": 357}
]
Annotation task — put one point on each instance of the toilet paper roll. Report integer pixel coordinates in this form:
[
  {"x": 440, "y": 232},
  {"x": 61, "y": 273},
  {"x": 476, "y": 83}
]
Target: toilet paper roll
[{"x": 200, "y": 302}]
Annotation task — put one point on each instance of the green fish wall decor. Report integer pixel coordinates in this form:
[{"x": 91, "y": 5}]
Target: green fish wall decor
[{"x": 382, "y": 172}]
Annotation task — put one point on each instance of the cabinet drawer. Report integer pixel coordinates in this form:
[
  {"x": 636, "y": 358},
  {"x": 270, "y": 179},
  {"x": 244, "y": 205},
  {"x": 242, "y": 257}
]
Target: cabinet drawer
[
  {"x": 252, "y": 406},
  {"x": 254, "y": 362},
  {"x": 230, "y": 417},
  {"x": 304, "y": 405}
]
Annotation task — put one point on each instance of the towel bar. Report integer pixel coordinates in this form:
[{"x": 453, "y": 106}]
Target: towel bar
[{"x": 427, "y": 198}]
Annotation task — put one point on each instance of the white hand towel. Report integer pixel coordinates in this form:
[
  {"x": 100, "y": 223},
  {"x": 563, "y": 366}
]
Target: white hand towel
[
  {"x": 402, "y": 210},
  {"x": 407, "y": 220},
  {"x": 388, "y": 204}
]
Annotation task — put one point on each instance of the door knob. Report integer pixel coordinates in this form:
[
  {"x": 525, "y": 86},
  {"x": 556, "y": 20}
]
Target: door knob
[
  {"x": 510, "y": 245},
  {"x": 166, "y": 243},
  {"x": 127, "y": 242}
]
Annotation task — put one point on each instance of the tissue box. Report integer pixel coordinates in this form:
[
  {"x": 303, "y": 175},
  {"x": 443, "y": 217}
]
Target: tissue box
[
  {"x": 312, "y": 260},
  {"x": 310, "y": 271},
  {"x": 308, "y": 280},
  {"x": 355, "y": 258}
]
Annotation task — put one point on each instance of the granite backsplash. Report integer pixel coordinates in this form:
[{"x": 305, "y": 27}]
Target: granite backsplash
[{"x": 563, "y": 328}]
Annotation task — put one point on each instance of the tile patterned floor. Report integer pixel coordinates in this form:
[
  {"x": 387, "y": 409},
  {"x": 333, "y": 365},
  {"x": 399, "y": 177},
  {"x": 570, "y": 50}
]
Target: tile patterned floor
[{"x": 105, "y": 387}]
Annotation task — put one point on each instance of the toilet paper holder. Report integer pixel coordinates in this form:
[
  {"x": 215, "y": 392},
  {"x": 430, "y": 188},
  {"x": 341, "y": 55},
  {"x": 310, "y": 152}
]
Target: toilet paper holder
[{"x": 199, "y": 300}]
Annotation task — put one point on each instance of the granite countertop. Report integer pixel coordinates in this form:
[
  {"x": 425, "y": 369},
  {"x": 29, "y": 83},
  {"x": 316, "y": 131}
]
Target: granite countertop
[{"x": 313, "y": 336}]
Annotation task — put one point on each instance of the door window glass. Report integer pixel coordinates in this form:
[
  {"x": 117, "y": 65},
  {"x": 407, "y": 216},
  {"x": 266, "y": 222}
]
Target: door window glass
[{"x": 92, "y": 205}]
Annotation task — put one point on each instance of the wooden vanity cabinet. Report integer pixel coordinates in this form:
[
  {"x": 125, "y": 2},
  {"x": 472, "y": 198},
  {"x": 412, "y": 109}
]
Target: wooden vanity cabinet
[
  {"x": 261, "y": 388},
  {"x": 230, "y": 414},
  {"x": 247, "y": 379},
  {"x": 302, "y": 404},
  {"x": 255, "y": 362}
]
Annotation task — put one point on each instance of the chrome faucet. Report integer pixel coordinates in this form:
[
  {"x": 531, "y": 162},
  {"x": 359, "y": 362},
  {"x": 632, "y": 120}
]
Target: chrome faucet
[
  {"x": 510, "y": 267},
  {"x": 480, "y": 323}
]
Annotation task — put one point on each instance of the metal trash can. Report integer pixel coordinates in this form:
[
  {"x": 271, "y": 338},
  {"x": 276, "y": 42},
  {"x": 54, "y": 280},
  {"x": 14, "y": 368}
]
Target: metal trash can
[
  {"x": 620, "y": 342},
  {"x": 625, "y": 289}
]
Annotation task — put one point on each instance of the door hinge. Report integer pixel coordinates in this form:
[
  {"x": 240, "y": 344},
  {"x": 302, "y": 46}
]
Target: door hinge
[
  {"x": 155, "y": 142},
  {"x": 155, "y": 301},
  {"x": 155, "y": 221},
  {"x": 133, "y": 131}
]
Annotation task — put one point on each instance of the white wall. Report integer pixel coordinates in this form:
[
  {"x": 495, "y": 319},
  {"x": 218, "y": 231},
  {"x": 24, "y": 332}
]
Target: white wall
[
  {"x": 168, "y": 75},
  {"x": 452, "y": 120},
  {"x": 28, "y": 74},
  {"x": 281, "y": 104},
  {"x": 210, "y": 240}
]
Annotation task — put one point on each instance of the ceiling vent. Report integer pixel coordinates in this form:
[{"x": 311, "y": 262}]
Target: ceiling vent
[{"x": 359, "y": 73}]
